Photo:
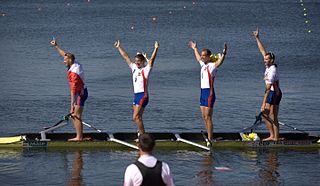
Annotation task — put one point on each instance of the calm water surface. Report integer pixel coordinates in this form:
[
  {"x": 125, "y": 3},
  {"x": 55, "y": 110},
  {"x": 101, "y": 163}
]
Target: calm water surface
[
  {"x": 88, "y": 167},
  {"x": 35, "y": 93}
]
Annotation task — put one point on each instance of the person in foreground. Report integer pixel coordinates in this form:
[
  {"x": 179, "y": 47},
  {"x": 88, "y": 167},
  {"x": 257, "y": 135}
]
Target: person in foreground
[
  {"x": 79, "y": 92},
  {"x": 140, "y": 77},
  {"x": 272, "y": 94},
  {"x": 208, "y": 73},
  {"x": 147, "y": 170}
]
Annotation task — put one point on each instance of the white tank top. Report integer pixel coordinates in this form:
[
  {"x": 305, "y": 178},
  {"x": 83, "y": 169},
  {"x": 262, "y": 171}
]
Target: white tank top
[
  {"x": 271, "y": 76},
  {"x": 207, "y": 74},
  {"x": 140, "y": 78}
]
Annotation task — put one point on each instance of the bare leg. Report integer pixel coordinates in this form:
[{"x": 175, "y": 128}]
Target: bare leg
[
  {"x": 137, "y": 117},
  {"x": 207, "y": 119},
  {"x": 77, "y": 123},
  {"x": 274, "y": 110},
  {"x": 269, "y": 124}
]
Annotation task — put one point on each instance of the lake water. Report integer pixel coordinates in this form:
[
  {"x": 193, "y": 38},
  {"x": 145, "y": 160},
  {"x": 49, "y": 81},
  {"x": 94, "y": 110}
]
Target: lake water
[{"x": 35, "y": 93}]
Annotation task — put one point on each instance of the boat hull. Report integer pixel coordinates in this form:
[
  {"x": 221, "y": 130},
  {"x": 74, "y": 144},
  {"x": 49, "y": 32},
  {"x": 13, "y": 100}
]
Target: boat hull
[{"x": 165, "y": 141}]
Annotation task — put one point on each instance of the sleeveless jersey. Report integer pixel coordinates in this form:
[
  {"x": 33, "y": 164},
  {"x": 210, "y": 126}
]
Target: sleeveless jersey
[
  {"x": 140, "y": 78},
  {"x": 271, "y": 76}
]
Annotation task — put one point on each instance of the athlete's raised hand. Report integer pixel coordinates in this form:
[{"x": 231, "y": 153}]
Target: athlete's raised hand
[
  {"x": 259, "y": 42},
  {"x": 57, "y": 47},
  {"x": 219, "y": 62},
  {"x": 256, "y": 32},
  {"x": 225, "y": 49},
  {"x": 156, "y": 44},
  {"x": 117, "y": 44},
  {"x": 54, "y": 42},
  {"x": 192, "y": 44}
]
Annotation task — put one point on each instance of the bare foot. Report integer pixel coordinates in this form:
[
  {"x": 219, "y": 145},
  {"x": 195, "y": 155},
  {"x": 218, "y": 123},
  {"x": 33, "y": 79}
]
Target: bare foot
[
  {"x": 279, "y": 139},
  {"x": 87, "y": 139},
  {"x": 268, "y": 139},
  {"x": 75, "y": 139}
]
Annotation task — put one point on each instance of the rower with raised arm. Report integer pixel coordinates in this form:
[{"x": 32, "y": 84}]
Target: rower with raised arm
[
  {"x": 208, "y": 72},
  {"x": 140, "y": 78},
  {"x": 272, "y": 94},
  {"x": 79, "y": 92}
]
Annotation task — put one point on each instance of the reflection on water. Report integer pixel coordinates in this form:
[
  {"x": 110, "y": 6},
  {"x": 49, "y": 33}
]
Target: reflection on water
[
  {"x": 205, "y": 175},
  {"x": 259, "y": 165},
  {"x": 269, "y": 169},
  {"x": 265, "y": 163},
  {"x": 7, "y": 163},
  {"x": 10, "y": 154},
  {"x": 77, "y": 165}
]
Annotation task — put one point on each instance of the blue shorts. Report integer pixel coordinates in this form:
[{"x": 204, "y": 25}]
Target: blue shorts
[
  {"x": 141, "y": 99},
  {"x": 207, "y": 99},
  {"x": 80, "y": 99},
  {"x": 274, "y": 98}
]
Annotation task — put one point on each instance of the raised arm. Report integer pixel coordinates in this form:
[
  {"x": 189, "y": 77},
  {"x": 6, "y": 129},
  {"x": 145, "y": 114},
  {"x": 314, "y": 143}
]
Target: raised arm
[
  {"x": 193, "y": 46},
  {"x": 260, "y": 45},
  {"x": 56, "y": 46},
  {"x": 154, "y": 53},
  {"x": 122, "y": 52},
  {"x": 221, "y": 59}
]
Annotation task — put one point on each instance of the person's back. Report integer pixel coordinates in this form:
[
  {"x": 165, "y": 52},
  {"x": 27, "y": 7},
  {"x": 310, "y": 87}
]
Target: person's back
[
  {"x": 147, "y": 170},
  {"x": 151, "y": 175}
]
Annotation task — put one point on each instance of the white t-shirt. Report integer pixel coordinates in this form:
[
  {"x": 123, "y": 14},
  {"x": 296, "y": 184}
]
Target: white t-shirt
[
  {"x": 140, "y": 78},
  {"x": 271, "y": 76},
  {"x": 207, "y": 74},
  {"x": 133, "y": 177}
]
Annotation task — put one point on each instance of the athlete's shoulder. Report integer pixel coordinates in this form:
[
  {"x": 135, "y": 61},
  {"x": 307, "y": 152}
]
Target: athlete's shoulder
[
  {"x": 132, "y": 170},
  {"x": 212, "y": 64},
  {"x": 147, "y": 67},
  {"x": 165, "y": 165},
  {"x": 133, "y": 65},
  {"x": 132, "y": 167},
  {"x": 77, "y": 64},
  {"x": 131, "y": 174},
  {"x": 272, "y": 68}
]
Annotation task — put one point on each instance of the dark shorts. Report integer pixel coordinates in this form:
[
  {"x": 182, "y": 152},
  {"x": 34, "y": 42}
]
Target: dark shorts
[
  {"x": 80, "y": 99},
  {"x": 207, "y": 98},
  {"x": 141, "y": 99},
  {"x": 274, "y": 98}
]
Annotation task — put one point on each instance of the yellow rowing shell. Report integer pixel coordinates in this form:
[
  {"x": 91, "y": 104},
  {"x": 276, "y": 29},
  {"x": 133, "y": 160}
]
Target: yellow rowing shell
[{"x": 12, "y": 139}]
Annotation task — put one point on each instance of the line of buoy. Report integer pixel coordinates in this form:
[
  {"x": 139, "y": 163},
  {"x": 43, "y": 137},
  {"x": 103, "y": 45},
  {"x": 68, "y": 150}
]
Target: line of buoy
[{"x": 305, "y": 14}]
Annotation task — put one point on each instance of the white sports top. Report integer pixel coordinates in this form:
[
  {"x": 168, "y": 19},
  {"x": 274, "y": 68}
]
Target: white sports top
[
  {"x": 140, "y": 78},
  {"x": 271, "y": 76},
  {"x": 208, "y": 72},
  {"x": 133, "y": 177}
]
